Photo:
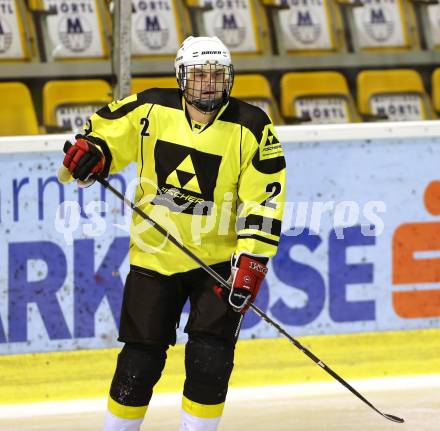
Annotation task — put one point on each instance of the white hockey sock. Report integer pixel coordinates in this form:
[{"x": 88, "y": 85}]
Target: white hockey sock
[
  {"x": 200, "y": 417},
  {"x": 123, "y": 418},
  {"x": 113, "y": 423}
]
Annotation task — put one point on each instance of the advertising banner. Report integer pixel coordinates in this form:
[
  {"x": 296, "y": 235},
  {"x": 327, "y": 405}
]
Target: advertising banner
[
  {"x": 380, "y": 24},
  {"x": 359, "y": 249},
  {"x": 232, "y": 22},
  {"x": 323, "y": 110},
  {"x": 153, "y": 28},
  {"x": 74, "y": 29},
  {"x": 398, "y": 107},
  {"x": 305, "y": 25},
  {"x": 74, "y": 116},
  {"x": 434, "y": 21},
  {"x": 10, "y": 44}
]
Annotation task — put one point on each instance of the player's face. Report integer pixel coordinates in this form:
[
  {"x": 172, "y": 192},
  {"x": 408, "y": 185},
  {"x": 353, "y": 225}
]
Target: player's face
[{"x": 206, "y": 82}]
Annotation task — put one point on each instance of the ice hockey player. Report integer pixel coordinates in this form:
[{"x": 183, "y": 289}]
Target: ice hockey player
[{"x": 212, "y": 171}]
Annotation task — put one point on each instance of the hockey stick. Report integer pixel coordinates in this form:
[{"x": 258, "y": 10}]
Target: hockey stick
[
  {"x": 253, "y": 307},
  {"x": 64, "y": 176}
]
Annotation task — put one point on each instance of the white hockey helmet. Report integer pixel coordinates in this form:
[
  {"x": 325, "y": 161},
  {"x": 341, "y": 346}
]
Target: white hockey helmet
[{"x": 210, "y": 54}]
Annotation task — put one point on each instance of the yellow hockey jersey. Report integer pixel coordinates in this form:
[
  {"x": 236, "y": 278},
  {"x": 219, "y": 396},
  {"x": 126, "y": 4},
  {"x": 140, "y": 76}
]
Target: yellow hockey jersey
[{"x": 219, "y": 188}]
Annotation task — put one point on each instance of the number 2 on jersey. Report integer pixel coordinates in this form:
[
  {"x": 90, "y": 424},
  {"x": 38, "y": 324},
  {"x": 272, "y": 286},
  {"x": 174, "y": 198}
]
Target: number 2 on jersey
[
  {"x": 275, "y": 190},
  {"x": 145, "y": 123}
]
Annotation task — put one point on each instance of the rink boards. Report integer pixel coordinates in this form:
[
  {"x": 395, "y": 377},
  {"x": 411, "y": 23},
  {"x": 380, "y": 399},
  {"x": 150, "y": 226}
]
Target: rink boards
[
  {"x": 85, "y": 374},
  {"x": 359, "y": 250},
  {"x": 358, "y": 257}
]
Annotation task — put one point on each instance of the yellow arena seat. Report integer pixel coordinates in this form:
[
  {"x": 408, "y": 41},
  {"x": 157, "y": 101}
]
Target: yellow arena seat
[
  {"x": 17, "y": 113},
  {"x": 255, "y": 89},
  {"x": 68, "y": 104},
  {"x": 393, "y": 95},
  {"x": 16, "y": 33},
  {"x": 306, "y": 27},
  {"x": 72, "y": 30},
  {"x": 141, "y": 84},
  {"x": 241, "y": 25},
  {"x": 435, "y": 85},
  {"x": 316, "y": 97}
]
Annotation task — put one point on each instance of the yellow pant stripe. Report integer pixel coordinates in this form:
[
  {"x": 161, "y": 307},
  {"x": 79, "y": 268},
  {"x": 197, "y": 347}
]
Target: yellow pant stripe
[
  {"x": 126, "y": 412},
  {"x": 202, "y": 410}
]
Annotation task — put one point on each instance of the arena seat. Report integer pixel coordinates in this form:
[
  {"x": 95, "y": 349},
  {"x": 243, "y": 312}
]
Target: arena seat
[
  {"x": 382, "y": 25},
  {"x": 72, "y": 30},
  {"x": 241, "y": 25},
  {"x": 68, "y": 104},
  {"x": 141, "y": 84},
  {"x": 306, "y": 28},
  {"x": 16, "y": 33},
  {"x": 17, "y": 112},
  {"x": 159, "y": 31},
  {"x": 435, "y": 86},
  {"x": 316, "y": 97},
  {"x": 394, "y": 95},
  {"x": 255, "y": 89}
]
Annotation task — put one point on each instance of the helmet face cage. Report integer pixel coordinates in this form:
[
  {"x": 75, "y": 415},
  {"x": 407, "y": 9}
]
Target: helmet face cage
[{"x": 206, "y": 86}]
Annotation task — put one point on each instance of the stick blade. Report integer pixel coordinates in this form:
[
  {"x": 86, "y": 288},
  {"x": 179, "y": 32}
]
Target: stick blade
[{"x": 394, "y": 418}]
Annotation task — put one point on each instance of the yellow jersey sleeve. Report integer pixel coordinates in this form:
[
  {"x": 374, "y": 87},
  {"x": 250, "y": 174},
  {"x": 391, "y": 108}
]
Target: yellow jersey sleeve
[
  {"x": 113, "y": 129},
  {"x": 261, "y": 192}
]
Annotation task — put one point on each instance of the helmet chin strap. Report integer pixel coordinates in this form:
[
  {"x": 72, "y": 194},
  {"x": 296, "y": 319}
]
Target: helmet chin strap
[{"x": 206, "y": 106}]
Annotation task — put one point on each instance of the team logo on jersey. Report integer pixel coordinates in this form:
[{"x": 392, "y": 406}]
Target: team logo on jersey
[
  {"x": 271, "y": 139},
  {"x": 229, "y": 27},
  {"x": 186, "y": 178},
  {"x": 75, "y": 33},
  {"x": 378, "y": 23},
  {"x": 5, "y": 36},
  {"x": 271, "y": 146},
  {"x": 152, "y": 31},
  {"x": 305, "y": 25}
]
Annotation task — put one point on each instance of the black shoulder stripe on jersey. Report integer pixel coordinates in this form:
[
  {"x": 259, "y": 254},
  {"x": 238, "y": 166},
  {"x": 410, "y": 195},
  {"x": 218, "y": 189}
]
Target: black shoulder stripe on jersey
[
  {"x": 259, "y": 238},
  {"x": 255, "y": 120},
  {"x": 264, "y": 224},
  {"x": 106, "y": 113},
  {"x": 105, "y": 150},
  {"x": 247, "y": 115},
  {"x": 268, "y": 166},
  {"x": 169, "y": 97}
]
